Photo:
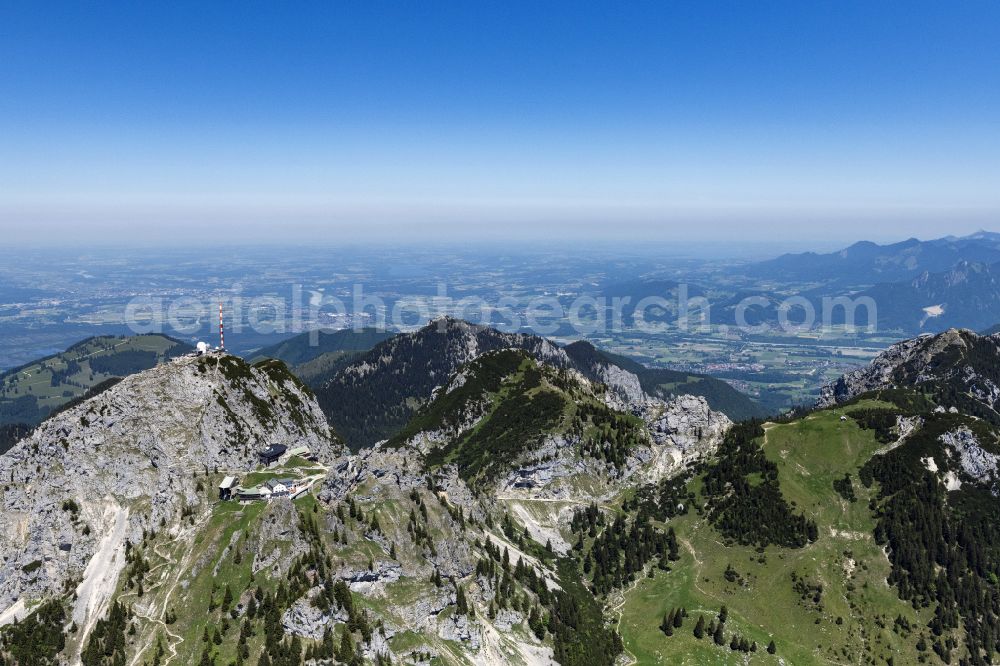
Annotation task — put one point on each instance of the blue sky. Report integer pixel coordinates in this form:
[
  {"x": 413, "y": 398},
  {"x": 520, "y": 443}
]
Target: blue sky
[{"x": 822, "y": 122}]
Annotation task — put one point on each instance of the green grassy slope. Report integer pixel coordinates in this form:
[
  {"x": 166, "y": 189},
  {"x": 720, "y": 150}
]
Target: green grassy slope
[
  {"x": 524, "y": 401},
  {"x": 506, "y": 406},
  {"x": 852, "y": 620}
]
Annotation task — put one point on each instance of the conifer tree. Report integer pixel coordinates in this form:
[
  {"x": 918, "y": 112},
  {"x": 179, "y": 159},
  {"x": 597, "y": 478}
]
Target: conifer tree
[
  {"x": 667, "y": 625},
  {"x": 699, "y": 628},
  {"x": 461, "y": 602},
  {"x": 346, "y": 651}
]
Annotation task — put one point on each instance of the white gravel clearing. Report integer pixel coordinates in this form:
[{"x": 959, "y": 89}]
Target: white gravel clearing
[{"x": 101, "y": 576}]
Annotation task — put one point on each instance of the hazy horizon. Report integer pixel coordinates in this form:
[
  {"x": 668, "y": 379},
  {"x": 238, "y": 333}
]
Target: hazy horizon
[
  {"x": 190, "y": 243},
  {"x": 789, "y": 123}
]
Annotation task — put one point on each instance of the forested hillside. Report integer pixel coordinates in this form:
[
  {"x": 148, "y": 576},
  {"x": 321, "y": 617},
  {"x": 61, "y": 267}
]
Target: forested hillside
[
  {"x": 306, "y": 347},
  {"x": 10, "y": 433},
  {"x": 374, "y": 397}
]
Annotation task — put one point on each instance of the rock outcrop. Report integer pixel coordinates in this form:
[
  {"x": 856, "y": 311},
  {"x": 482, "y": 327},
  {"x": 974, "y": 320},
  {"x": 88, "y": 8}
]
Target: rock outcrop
[
  {"x": 958, "y": 357},
  {"x": 305, "y": 619},
  {"x": 977, "y": 463}
]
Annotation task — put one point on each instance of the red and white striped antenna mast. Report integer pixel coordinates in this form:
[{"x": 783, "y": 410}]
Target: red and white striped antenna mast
[{"x": 222, "y": 331}]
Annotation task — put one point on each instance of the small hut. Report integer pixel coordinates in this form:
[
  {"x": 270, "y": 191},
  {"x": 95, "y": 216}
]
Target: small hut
[{"x": 226, "y": 488}]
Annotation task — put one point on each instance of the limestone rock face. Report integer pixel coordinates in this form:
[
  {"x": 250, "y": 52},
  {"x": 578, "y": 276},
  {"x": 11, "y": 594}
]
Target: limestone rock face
[
  {"x": 399, "y": 470},
  {"x": 458, "y": 628},
  {"x": 686, "y": 422},
  {"x": 622, "y": 383},
  {"x": 366, "y": 580},
  {"x": 979, "y": 464},
  {"x": 96, "y": 475},
  {"x": 308, "y": 621},
  {"x": 389, "y": 475},
  {"x": 278, "y": 525},
  {"x": 957, "y": 356},
  {"x": 684, "y": 430},
  {"x": 507, "y": 618},
  {"x": 681, "y": 431}
]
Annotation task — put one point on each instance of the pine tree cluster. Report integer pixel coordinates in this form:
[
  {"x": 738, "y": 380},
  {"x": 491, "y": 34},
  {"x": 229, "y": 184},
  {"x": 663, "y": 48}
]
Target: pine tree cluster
[
  {"x": 944, "y": 547},
  {"x": 36, "y": 640},
  {"x": 745, "y": 500}
]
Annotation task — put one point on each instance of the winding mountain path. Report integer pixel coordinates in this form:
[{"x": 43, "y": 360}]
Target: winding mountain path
[
  {"x": 619, "y": 610},
  {"x": 156, "y": 612}
]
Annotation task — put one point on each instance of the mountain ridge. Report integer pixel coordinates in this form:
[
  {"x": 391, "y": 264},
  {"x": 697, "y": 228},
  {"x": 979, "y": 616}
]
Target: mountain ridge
[
  {"x": 529, "y": 512},
  {"x": 374, "y": 384},
  {"x": 665, "y": 384},
  {"x": 174, "y": 430},
  {"x": 957, "y": 366},
  {"x": 868, "y": 262},
  {"x": 965, "y": 295}
]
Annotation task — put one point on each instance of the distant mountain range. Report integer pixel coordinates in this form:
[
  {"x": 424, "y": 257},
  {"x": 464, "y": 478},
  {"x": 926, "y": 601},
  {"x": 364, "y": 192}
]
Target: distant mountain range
[
  {"x": 918, "y": 287},
  {"x": 869, "y": 263},
  {"x": 964, "y": 296}
]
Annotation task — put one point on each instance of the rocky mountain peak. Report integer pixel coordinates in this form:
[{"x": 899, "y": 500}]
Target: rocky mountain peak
[
  {"x": 391, "y": 381},
  {"x": 102, "y": 473},
  {"x": 957, "y": 358}
]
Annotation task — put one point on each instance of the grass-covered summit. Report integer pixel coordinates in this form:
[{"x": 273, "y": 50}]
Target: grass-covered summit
[{"x": 499, "y": 411}]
